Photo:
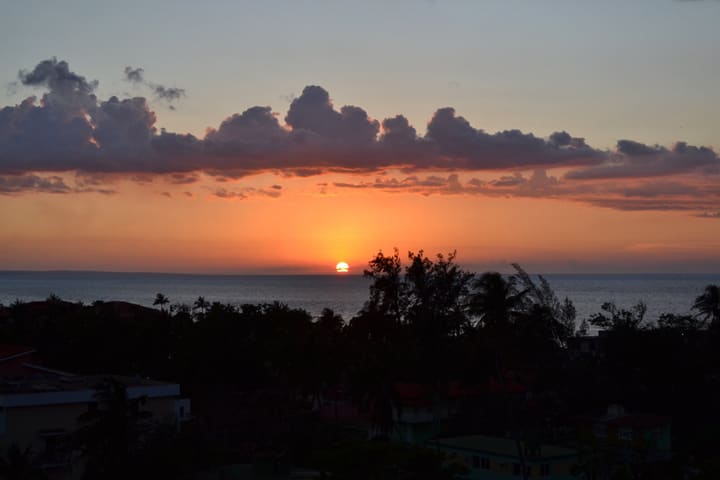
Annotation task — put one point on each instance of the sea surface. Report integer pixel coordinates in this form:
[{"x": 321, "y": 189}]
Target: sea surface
[{"x": 345, "y": 294}]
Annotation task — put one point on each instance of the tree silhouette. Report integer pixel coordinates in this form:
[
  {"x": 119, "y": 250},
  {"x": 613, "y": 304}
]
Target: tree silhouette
[
  {"x": 111, "y": 433},
  {"x": 161, "y": 300},
  {"x": 496, "y": 301},
  {"x": 17, "y": 464},
  {"x": 550, "y": 318},
  {"x": 387, "y": 295},
  {"x": 201, "y": 304},
  {"x": 619, "y": 319},
  {"x": 708, "y": 304}
]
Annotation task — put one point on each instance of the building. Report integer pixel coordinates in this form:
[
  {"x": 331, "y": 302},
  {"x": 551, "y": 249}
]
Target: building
[
  {"x": 13, "y": 360},
  {"x": 40, "y": 410},
  {"x": 639, "y": 437},
  {"x": 496, "y": 458}
]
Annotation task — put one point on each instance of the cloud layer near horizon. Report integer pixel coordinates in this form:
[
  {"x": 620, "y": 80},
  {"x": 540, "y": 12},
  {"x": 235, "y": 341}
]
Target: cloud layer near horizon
[{"x": 69, "y": 129}]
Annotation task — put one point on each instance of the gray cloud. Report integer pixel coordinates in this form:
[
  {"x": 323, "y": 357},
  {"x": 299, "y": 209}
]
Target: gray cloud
[
  {"x": 273, "y": 191},
  {"x": 20, "y": 184},
  {"x": 32, "y": 183},
  {"x": 313, "y": 112},
  {"x": 69, "y": 129},
  {"x": 509, "y": 181},
  {"x": 652, "y": 195},
  {"x": 168, "y": 94},
  {"x": 134, "y": 75},
  {"x": 56, "y": 75},
  {"x": 636, "y": 160},
  {"x": 465, "y": 146}
]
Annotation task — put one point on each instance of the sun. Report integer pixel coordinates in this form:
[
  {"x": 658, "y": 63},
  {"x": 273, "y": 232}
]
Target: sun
[{"x": 342, "y": 267}]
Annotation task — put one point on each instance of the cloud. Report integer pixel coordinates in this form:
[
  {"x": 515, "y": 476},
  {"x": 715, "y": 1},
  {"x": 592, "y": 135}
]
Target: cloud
[
  {"x": 134, "y": 75},
  {"x": 56, "y": 75},
  {"x": 168, "y": 94},
  {"x": 509, "y": 181},
  {"x": 636, "y": 160},
  {"x": 645, "y": 195},
  {"x": 466, "y": 147},
  {"x": 274, "y": 191},
  {"x": 314, "y": 112},
  {"x": 68, "y": 129},
  {"x": 32, "y": 183},
  {"x": 28, "y": 183},
  {"x": 182, "y": 178}
]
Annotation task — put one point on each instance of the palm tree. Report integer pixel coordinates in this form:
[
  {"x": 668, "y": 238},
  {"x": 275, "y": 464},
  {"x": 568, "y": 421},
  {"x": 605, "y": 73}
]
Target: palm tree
[
  {"x": 496, "y": 300},
  {"x": 161, "y": 300},
  {"x": 708, "y": 304},
  {"x": 201, "y": 304},
  {"x": 497, "y": 303}
]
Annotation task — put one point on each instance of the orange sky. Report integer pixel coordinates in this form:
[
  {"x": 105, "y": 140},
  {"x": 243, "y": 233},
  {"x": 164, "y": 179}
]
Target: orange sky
[
  {"x": 283, "y": 138},
  {"x": 308, "y": 228}
]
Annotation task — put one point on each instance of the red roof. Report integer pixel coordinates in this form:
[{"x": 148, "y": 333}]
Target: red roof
[
  {"x": 414, "y": 394},
  {"x": 639, "y": 420},
  {"x": 509, "y": 386}
]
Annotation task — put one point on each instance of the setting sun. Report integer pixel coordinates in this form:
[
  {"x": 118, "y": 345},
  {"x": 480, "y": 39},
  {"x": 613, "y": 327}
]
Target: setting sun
[{"x": 342, "y": 267}]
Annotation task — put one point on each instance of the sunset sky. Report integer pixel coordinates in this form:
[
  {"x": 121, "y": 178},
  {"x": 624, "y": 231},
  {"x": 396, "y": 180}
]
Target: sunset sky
[{"x": 283, "y": 137}]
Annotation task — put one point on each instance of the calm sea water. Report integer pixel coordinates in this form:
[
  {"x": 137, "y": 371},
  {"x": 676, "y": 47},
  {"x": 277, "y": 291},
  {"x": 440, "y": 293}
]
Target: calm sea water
[{"x": 673, "y": 293}]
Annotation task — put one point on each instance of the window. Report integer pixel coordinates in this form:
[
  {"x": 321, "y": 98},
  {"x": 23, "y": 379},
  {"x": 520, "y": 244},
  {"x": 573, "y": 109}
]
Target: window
[
  {"x": 516, "y": 469},
  {"x": 2, "y": 421},
  {"x": 182, "y": 409},
  {"x": 476, "y": 461},
  {"x": 485, "y": 463},
  {"x": 545, "y": 470},
  {"x": 56, "y": 449}
]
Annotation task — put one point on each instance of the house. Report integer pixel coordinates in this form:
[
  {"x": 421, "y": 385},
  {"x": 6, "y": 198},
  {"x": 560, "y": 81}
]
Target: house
[
  {"x": 640, "y": 437},
  {"x": 496, "y": 458},
  {"x": 39, "y": 410},
  {"x": 423, "y": 411},
  {"x": 588, "y": 346}
]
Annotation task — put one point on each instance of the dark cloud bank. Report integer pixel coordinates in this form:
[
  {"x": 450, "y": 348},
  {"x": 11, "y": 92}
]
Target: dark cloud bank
[{"x": 70, "y": 129}]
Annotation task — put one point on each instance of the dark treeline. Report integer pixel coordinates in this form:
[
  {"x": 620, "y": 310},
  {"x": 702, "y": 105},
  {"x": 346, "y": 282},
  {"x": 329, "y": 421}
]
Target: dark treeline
[{"x": 256, "y": 372}]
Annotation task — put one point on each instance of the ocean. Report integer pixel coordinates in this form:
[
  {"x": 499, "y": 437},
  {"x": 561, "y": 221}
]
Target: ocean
[{"x": 345, "y": 294}]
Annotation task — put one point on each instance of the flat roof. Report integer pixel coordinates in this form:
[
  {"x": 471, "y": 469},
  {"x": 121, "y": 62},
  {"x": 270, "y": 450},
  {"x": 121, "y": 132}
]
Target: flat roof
[
  {"x": 500, "y": 446},
  {"x": 58, "y": 388}
]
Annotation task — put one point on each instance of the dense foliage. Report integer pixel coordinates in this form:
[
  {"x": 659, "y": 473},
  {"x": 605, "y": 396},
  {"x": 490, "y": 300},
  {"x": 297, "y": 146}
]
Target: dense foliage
[{"x": 254, "y": 372}]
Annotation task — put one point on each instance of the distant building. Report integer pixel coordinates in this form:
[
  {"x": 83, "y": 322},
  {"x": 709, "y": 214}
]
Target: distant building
[
  {"x": 589, "y": 346},
  {"x": 39, "y": 408},
  {"x": 496, "y": 458},
  {"x": 419, "y": 412},
  {"x": 639, "y": 437}
]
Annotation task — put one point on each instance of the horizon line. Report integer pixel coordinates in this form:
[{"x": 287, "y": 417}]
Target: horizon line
[{"x": 328, "y": 274}]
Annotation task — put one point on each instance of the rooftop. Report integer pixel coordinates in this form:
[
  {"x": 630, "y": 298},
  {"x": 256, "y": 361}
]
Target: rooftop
[
  {"x": 53, "y": 381},
  {"x": 500, "y": 446}
]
